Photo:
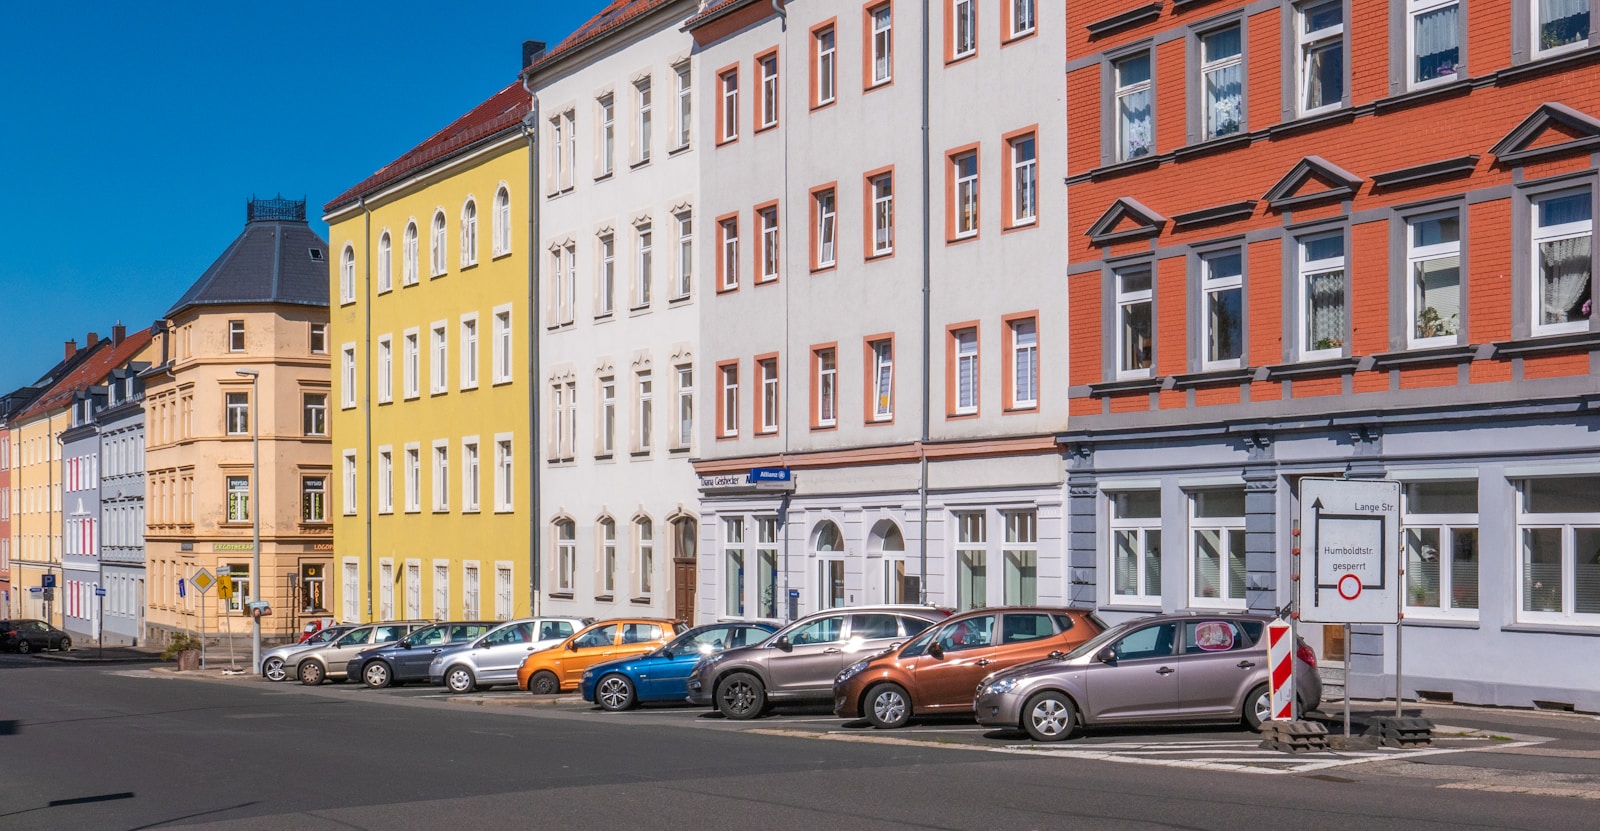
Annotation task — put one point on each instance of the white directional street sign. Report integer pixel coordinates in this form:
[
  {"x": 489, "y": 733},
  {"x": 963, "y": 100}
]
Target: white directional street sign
[{"x": 1349, "y": 551}]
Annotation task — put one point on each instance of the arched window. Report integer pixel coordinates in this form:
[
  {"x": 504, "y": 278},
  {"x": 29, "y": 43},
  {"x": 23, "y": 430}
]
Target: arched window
[
  {"x": 469, "y": 233},
  {"x": 502, "y": 222},
  {"x": 438, "y": 244},
  {"x": 347, "y": 275},
  {"x": 385, "y": 263},
  {"x": 566, "y": 553},
  {"x": 408, "y": 257},
  {"x": 899, "y": 584},
  {"x": 829, "y": 550},
  {"x": 644, "y": 537}
]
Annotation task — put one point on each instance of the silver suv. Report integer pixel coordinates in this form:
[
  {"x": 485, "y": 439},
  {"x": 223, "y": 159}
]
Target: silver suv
[
  {"x": 799, "y": 662},
  {"x": 320, "y": 663},
  {"x": 495, "y": 657}
]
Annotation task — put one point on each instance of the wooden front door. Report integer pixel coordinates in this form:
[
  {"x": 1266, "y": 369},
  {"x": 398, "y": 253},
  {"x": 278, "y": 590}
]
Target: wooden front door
[
  {"x": 1333, "y": 642},
  {"x": 683, "y": 583}
]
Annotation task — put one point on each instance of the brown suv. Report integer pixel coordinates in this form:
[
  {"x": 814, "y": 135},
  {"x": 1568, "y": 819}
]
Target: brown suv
[
  {"x": 938, "y": 670},
  {"x": 799, "y": 662}
]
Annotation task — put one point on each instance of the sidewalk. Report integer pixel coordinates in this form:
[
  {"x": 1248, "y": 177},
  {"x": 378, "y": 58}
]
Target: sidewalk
[{"x": 108, "y": 655}]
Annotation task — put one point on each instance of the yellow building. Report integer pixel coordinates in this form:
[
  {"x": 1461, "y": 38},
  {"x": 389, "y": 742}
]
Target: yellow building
[
  {"x": 243, "y": 358},
  {"x": 430, "y": 325}
]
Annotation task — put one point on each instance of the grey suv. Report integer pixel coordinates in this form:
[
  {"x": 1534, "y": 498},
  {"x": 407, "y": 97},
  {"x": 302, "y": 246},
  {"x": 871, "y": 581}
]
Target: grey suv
[
  {"x": 495, "y": 657},
  {"x": 799, "y": 662},
  {"x": 1164, "y": 668},
  {"x": 320, "y": 663}
]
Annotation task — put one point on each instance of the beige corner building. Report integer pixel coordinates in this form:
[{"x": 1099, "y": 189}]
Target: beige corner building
[{"x": 262, "y": 307}]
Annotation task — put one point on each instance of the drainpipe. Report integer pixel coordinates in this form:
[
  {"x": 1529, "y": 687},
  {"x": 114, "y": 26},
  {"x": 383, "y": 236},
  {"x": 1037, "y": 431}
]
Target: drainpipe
[
  {"x": 927, "y": 276},
  {"x": 785, "y": 501},
  {"x": 366, "y": 390},
  {"x": 530, "y": 130}
]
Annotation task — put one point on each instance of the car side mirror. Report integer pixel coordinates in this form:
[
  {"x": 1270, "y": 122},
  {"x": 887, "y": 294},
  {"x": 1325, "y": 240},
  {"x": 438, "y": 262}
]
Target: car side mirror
[
  {"x": 783, "y": 643},
  {"x": 1106, "y": 656},
  {"x": 572, "y": 646},
  {"x": 936, "y": 651}
]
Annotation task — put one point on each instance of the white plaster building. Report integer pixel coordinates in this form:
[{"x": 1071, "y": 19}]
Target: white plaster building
[{"x": 825, "y": 213}]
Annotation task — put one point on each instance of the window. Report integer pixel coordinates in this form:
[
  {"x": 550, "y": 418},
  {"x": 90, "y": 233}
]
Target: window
[
  {"x": 410, "y": 355},
  {"x": 645, "y": 397},
  {"x": 1319, "y": 39},
  {"x": 469, "y": 352},
  {"x": 728, "y": 418},
  {"x": 563, "y": 420},
  {"x": 441, "y": 476},
  {"x": 728, "y": 262},
  {"x": 685, "y": 281},
  {"x": 313, "y": 598},
  {"x": 413, "y": 590},
  {"x": 469, "y": 475},
  {"x": 386, "y": 581},
  {"x": 385, "y": 481},
  {"x": 1433, "y": 261},
  {"x": 564, "y": 283},
  {"x": 641, "y": 92},
  {"x": 1136, "y": 547},
  {"x": 822, "y": 88},
  {"x": 469, "y": 591},
  {"x": 826, "y": 227},
  {"x": 413, "y": 479},
  {"x": 239, "y": 575},
  {"x": 502, "y": 592},
  {"x": 972, "y": 560},
  {"x": 1221, "y": 82},
  {"x": 439, "y": 367},
  {"x": 685, "y": 106},
  {"x": 768, "y": 217},
  {"x": 1134, "y": 115},
  {"x": 964, "y": 20},
  {"x": 644, "y": 534},
  {"x": 1559, "y": 25},
  {"x": 441, "y": 590},
  {"x": 502, "y": 346},
  {"x": 1563, "y": 259},
  {"x": 1222, "y": 308},
  {"x": 608, "y": 556},
  {"x": 238, "y": 499},
  {"x": 733, "y": 553},
  {"x": 1024, "y": 17},
  {"x": 314, "y": 495},
  {"x": 608, "y": 135},
  {"x": 825, "y": 394},
  {"x": 347, "y": 278},
  {"x": 566, "y": 554},
  {"x": 644, "y": 243},
  {"x": 830, "y": 571},
  {"x": 504, "y": 475},
  {"x": 1433, "y": 35},
  {"x": 685, "y": 406},
  {"x": 728, "y": 116},
  {"x": 963, "y": 356},
  {"x": 882, "y": 380},
  {"x": 1024, "y": 180},
  {"x": 235, "y": 336},
  {"x": 408, "y": 256},
  {"x": 881, "y": 25},
  {"x": 1021, "y": 555},
  {"x": 502, "y": 222},
  {"x": 1558, "y": 526},
  {"x": 1134, "y": 320},
  {"x": 768, "y": 417},
  {"x": 607, "y": 282},
  {"x": 608, "y": 416},
  {"x": 314, "y": 420},
  {"x": 964, "y": 169},
  {"x": 238, "y": 407},
  {"x": 385, "y": 263},
  {"x": 347, "y": 363},
  {"x": 768, "y": 65},
  {"x": 1024, "y": 375},
  {"x": 1322, "y": 296},
  {"x": 1218, "y": 551},
  {"x": 1441, "y": 539},
  {"x": 469, "y": 233},
  {"x": 318, "y": 339},
  {"x": 882, "y": 195},
  {"x": 437, "y": 252}
]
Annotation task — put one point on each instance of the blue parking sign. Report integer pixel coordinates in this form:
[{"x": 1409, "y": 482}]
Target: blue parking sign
[
  {"x": 49, "y": 581},
  {"x": 181, "y": 592}
]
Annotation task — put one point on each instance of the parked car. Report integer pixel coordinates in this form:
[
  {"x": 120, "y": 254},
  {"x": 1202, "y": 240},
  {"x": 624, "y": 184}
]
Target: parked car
[
  {"x": 328, "y": 661},
  {"x": 407, "y": 659},
  {"x": 937, "y": 671},
  {"x": 560, "y": 668},
  {"x": 32, "y": 636},
  {"x": 493, "y": 659},
  {"x": 661, "y": 675},
  {"x": 274, "y": 661},
  {"x": 1164, "y": 668},
  {"x": 800, "y": 662}
]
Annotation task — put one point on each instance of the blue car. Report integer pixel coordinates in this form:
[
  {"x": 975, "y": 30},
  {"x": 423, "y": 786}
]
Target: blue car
[{"x": 663, "y": 675}]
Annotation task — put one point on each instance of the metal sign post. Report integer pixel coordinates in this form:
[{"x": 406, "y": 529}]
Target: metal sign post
[
  {"x": 100, "y": 599},
  {"x": 203, "y": 581}
]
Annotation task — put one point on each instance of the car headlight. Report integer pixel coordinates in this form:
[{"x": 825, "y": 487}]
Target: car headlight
[
  {"x": 587, "y": 674},
  {"x": 999, "y": 687},
  {"x": 851, "y": 671}
]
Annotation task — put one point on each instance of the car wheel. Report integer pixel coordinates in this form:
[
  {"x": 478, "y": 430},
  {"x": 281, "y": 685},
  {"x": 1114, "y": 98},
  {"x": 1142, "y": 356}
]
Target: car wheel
[
  {"x": 741, "y": 696},
  {"x": 1257, "y": 707},
  {"x": 65, "y": 645},
  {"x": 311, "y": 673},
  {"x": 1048, "y": 716},
  {"x": 614, "y": 692},
  {"x": 544, "y": 682},
  {"x": 459, "y": 679},
  {"x": 24, "y": 646},
  {"x": 376, "y": 675},
  {"x": 888, "y": 706},
  {"x": 272, "y": 669}
]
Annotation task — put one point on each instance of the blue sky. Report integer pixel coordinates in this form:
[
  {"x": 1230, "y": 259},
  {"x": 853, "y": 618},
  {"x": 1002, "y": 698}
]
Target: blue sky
[{"x": 133, "y": 133}]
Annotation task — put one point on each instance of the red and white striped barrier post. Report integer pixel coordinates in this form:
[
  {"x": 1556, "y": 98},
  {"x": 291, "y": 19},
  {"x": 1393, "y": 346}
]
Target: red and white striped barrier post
[{"x": 1280, "y": 662}]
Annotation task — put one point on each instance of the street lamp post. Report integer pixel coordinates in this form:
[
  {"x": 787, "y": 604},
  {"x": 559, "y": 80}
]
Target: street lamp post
[{"x": 255, "y": 520}]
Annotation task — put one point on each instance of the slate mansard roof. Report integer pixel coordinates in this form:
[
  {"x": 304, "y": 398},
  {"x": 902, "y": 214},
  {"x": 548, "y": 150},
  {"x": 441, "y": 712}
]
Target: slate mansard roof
[{"x": 276, "y": 259}]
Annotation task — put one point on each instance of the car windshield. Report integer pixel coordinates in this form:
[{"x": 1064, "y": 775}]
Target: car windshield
[
  {"x": 1096, "y": 643},
  {"x": 919, "y": 645},
  {"x": 424, "y": 636}
]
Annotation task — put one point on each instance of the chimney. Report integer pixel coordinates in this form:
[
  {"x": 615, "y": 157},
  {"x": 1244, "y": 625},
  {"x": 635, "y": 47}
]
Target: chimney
[
  {"x": 90, "y": 340},
  {"x": 72, "y": 348},
  {"x": 532, "y": 50},
  {"x": 118, "y": 334}
]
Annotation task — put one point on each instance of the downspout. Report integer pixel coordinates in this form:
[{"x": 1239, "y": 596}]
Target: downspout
[
  {"x": 530, "y": 130},
  {"x": 366, "y": 389},
  {"x": 785, "y": 501},
  {"x": 927, "y": 277}
]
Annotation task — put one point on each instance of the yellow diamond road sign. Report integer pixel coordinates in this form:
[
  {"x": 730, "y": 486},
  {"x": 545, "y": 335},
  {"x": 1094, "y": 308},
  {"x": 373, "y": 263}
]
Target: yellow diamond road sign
[{"x": 203, "y": 580}]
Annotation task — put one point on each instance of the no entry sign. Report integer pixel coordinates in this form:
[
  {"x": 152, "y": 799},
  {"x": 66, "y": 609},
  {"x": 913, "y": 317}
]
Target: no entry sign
[{"x": 1350, "y": 551}]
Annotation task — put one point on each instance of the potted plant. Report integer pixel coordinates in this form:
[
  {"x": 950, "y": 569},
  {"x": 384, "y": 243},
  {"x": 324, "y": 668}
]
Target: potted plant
[{"x": 184, "y": 647}]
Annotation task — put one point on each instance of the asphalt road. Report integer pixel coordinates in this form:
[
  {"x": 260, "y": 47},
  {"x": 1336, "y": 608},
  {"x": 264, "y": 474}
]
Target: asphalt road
[{"x": 125, "y": 748}]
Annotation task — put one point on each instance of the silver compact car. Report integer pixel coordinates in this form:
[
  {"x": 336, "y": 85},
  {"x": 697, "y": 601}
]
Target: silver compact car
[
  {"x": 494, "y": 658},
  {"x": 1164, "y": 668},
  {"x": 328, "y": 661},
  {"x": 275, "y": 665}
]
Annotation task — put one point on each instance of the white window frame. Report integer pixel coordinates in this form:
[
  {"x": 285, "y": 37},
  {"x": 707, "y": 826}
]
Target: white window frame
[
  {"x": 1419, "y": 255},
  {"x": 411, "y": 362},
  {"x": 469, "y": 351},
  {"x": 1536, "y": 28},
  {"x": 643, "y": 106},
  {"x": 503, "y": 348},
  {"x": 605, "y": 302},
  {"x": 1130, "y": 145},
  {"x": 729, "y": 83},
  {"x": 964, "y": 22},
  {"x": 469, "y": 232},
  {"x": 608, "y": 415},
  {"x": 1307, "y": 42},
  {"x": 608, "y": 134},
  {"x": 1140, "y": 529},
  {"x": 413, "y": 589},
  {"x": 1025, "y": 363},
  {"x": 644, "y": 399},
  {"x": 644, "y": 557},
  {"x": 314, "y": 415},
  {"x": 236, "y": 341},
  {"x": 347, "y": 275},
  {"x": 502, "y": 221},
  {"x": 1212, "y": 284},
  {"x": 1225, "y": 526},
  {"x": 469, "y": 591},
  {"x": 1414, "y": 12},
  {"x": 768, "y": 369},
  {"x": 1444, "y": 525},
  {"x": 1307, "y": 269},
  {"x": 685, "y": 112},
  {"x": 413, "y": 477},
  {"x": 438, "y": 254},
  {"x": 1024, "y": 17},
  {"x": 970, "y": 529},
  {"x": 439, "y": 364},
  {"x": 827, "y": 80},
  {"x": 347, "y": 376},
  {"x": 644, "y": 264},
  {"x": 966, "y": 195},
  {"x": 504, "y": 575},
  {"x": 827, "y": 205},
  {"x": 964, "y": 348},
  {"x": 385, "y": 263},
  {"x": 768, "y": 217},
  {"x": 685, "y": 265},
  {"x": 882, "y": 214},
  {"x": 471, "y": 475},
  {"x": 441, "y": 476},
  {"x": 441, "y": 589},
  {"x": 769, "y": 90},
  {"x": 1558, "y": 233},
  {"x": 349, "y": 578},
  {"x": 1210, "y": 65},
  {"x": 882, "y": 37},
  {"x": 883, "y": 379},
  {"x": 606, "y": 537},
  {"x": 1126, "y": 300},
  {"x": 730, "y": 252},
  {"x": 1024, "y": 179},
  {"x": 728, "y": 378},
  {"x": 505, "y": 473},
  {"x": 1571, "y": 559},
  {"x": 566, "y": 539},
  {"x": 684, "y": 378},
  {"x": 408, "y": 256},
  {"x": 386, "y": 479}
]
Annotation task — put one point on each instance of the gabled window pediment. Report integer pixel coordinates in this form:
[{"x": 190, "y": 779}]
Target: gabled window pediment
[
  {"x": 1552, "y": 130},
  {"x": 1126, "y": 219},
  {"x": 1313, "y": 179}
]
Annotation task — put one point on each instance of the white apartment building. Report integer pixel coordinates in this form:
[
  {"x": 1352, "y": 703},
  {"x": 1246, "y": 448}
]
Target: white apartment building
[
  {"x": 918, "y": 424},
  {"x": 619, "y": 313}
]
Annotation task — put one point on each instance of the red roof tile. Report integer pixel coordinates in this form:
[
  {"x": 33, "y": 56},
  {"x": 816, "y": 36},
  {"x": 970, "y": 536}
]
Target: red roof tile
[
  {"x": 92, "y": 371},
  {"x": 504, "y": 109},
  {"x": 712, "y": 9},
  {"x": 616, "y": 14}
]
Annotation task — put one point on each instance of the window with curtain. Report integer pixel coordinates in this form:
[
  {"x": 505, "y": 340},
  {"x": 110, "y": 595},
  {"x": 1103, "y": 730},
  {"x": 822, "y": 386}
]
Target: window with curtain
[
  {"x": 1222, "y": 82},
  {"x": 1135, "y": 137},
  {"x": 1320, "y": 54},
  {"x": 1025, "y": 363},
  {"x": 1218, "y": 547},
  {"x": 1322, "y": 289},
  {"x": 966, "y": 195},
  {"x": 1558, "y": 521},
  {"x": 1433, "y": 259},
  {"x": 1434, "y": 28},
  {"x": 1563, "y": 235},
  {"x": 1559, "y": 24},
  {"x": 882, "y": 44},
  {"x": 965, "y": 347}
]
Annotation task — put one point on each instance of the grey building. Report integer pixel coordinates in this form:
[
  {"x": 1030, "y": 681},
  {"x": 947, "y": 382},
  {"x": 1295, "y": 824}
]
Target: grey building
[
  {"x": 122, "y": 491},
  {"x": 80, "y": 515}
]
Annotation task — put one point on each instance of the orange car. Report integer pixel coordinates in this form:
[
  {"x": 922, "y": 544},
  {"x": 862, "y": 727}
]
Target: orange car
[
  {"x": 937, "y": 671},
  {"x": 560, "y": 668}
]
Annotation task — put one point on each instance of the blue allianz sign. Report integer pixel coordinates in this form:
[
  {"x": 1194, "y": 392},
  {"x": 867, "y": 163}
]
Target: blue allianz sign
[{"x": 769, "y": 474}]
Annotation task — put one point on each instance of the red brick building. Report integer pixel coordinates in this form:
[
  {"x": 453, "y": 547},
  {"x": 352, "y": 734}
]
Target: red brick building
[{"x": 1342, "y": 238}]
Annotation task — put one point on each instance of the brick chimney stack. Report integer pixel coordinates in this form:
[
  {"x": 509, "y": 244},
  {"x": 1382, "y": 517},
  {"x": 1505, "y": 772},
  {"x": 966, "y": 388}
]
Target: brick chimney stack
[
  {"x": 72, "y": 348},
  {"x": 118, "y": 334},
  {"x": 90, "y": 340}
]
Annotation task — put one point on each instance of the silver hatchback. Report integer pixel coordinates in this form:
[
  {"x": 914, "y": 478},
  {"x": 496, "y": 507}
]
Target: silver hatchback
[{"x": 494, "y": 658}]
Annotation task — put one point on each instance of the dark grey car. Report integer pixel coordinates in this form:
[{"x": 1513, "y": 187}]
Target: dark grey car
[{"x": 407, "y": 659}]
